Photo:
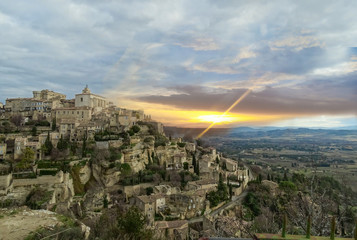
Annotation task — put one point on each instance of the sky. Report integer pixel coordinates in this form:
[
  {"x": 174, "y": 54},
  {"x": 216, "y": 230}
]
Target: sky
[{"x": 187, "y": 62}]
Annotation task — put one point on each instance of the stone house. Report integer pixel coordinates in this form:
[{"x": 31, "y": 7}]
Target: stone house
[
  {"x": 54, "y": 138},
  {"x": 159, "y": 127},
  {"x": 187, "y": 204},
  {"x": 231, "y": 165},
  {"x": 67, "y": 127},
  {"x": 73, "y": 113},
  {"x": 172, "y": 229},
  {"x": 21, "y": 143},
  {"x": 172, "y": 156},
  {"x": 40, "y": 104},
  {"x": 150, "y": 205},
  {"x": 87, "y": 128}
]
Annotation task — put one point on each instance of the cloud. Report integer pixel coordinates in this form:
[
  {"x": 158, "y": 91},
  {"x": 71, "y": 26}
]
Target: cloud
[
  {"x": 200, "y": 44},
  {"x": 296, "y": 43},
  {"x": 317, "y": 97},
  {"x": 245, "y": 53},
  {"x": 297, "y": 54}
]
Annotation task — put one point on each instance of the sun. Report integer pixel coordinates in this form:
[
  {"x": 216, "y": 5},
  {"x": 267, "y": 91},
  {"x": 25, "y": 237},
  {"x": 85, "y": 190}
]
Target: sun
[{"x": 219, "y": 119}]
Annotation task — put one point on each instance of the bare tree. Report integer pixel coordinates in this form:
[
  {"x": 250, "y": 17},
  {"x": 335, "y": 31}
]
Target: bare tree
[{"x": 17, "y": 120}]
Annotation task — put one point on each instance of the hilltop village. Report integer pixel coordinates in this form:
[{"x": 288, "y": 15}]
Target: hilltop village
[{"x": 80, "y": 157}]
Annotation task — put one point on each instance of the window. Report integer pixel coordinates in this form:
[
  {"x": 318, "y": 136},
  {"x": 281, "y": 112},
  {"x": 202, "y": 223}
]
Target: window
[{"x": 81, "y": 99}]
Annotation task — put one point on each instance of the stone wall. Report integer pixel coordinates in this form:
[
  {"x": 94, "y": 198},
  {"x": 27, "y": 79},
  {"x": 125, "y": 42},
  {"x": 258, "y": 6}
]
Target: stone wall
[
  {"x": 102, "y": 145},
  {"x": 136, "y": 190},
  {"x": 42, "y": 180}
]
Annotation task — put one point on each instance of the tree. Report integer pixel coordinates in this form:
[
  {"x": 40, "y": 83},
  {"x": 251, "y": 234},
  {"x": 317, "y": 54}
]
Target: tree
[
  {"x": 135, "y": 129},
  {"x": 47, "y": 148},
  {"x": 194, "y": 162},
  {"x": 34, "y": 131},
  {"x": 284, "y": 226},
  {"x": 28, "y": 156},
  {"x": 185, "y": 165},
  {"x": 62, "y": 144},
  {"x": 252, "y": 202},
  {"x": 222, "y": 189},
  {"x": 333, "y": 228},
  {"x": 16, "y": 119},
  {"x": 125, "y": 169},
  {"x": 149, "y": 159},
  {"x": 105, "y": 202},
  {"x": 54, "y": 124},
  {"x": 214, "y": 198},
  {"x": 73, "y": 147},
  {"x": 198, "y": 168},
  {"x": 230, "y": 191},
  {"x": 149, "y": 191},
  {"x": 84, "y": 146},
  {"x": 132, "y": 225},
  {"x": 308, "y": 228}
]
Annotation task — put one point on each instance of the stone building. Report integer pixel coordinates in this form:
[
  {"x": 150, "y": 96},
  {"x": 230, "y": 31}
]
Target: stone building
[
  {"x": 150, "y": 205},
  {"x": 67, "y": 127},
  {"x": 21, "y": 143},
  {"x": 173, "y": 229},
  {"x": 47, "y": 95},
  {"x": 74, "y": 113},
  {"x": 54, "y": 138},
  {"x": 93, "y": 101},
  {"x": 41, "y": 103}
]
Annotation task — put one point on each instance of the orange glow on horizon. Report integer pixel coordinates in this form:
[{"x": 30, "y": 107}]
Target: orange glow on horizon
[
  {"x": 171, "y": 116},
  {"x": 227, "y": 111}
]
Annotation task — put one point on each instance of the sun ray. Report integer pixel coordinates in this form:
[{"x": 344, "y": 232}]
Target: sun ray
[{"x": 227, "y": 111}]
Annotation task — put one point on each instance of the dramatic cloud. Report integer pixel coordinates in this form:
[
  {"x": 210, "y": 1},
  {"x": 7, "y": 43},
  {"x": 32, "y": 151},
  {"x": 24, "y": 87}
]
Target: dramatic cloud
[{"x": 299, "y": 56}]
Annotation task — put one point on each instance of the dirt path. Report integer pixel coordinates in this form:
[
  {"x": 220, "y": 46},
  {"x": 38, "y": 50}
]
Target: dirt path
[{"x": 17, "y": 224}]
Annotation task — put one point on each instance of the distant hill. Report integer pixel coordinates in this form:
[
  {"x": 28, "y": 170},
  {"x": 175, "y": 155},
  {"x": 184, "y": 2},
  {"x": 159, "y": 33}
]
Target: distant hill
[{"x": 259, "y": 132}]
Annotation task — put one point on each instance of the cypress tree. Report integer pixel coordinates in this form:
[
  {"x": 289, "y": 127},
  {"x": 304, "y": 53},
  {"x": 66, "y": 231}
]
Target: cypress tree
[
  {"x": 198, "y": 169},
  {"x": 149, "y": 158},
  {"x": 230, "y": 191},
  {"x": 194, "y": 163},
  {"x": 48, "y": 145},
  {"x": 84, "y": 146},
  {"x": 54, "y": 124},
  {"x": 284, "y": 226},
  {"x": 308, "y": 228},
  {"x": 34, "y": 131},
  {"x": 333, "y": 228}
]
